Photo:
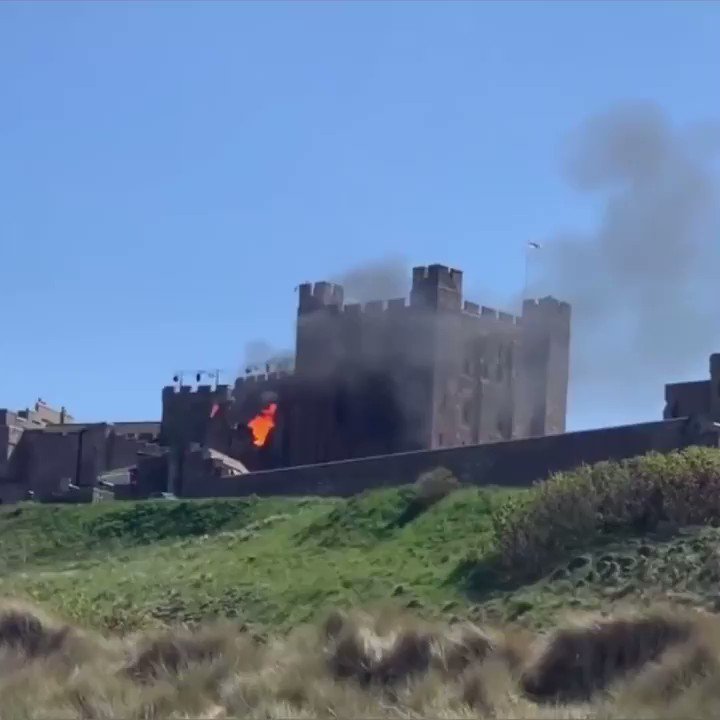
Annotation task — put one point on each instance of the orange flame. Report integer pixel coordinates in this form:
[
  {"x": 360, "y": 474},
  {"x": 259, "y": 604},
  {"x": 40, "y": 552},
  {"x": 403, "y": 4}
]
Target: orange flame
[{"x": 262, "y": 424}]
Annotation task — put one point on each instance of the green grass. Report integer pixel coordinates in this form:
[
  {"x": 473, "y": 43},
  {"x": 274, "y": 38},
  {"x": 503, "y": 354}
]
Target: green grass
[
  {"x": 270, "y": 562},
  {"x": 273, "y": 563}
]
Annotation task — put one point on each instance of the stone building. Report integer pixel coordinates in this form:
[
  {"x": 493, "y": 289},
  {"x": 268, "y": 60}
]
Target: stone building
[
  {"x": 420, "y": 373},
  {"x": 45, "y": 455},
  {"x": 430, "y": 372}
]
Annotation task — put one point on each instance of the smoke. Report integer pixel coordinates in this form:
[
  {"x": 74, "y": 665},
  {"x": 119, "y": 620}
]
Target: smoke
[
  {"x": 259, "y": 354},
  {"x": 642, "y": 285},
  {"x": 378, "y": 280}
]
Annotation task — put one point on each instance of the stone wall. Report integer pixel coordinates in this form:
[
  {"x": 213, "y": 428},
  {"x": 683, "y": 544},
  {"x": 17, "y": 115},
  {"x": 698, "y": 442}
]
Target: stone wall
[
  {"x": 12, "y": 492},
  {"x": 47, "y": 458},
  {"x": 517, "y": 463}
]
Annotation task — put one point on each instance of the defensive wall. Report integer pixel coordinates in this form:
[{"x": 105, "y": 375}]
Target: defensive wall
[{"x": 515, "y": 463}]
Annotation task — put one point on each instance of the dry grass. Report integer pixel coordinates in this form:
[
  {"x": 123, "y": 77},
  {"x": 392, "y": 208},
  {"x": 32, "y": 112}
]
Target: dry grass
[{"x": 383, "y": 664}]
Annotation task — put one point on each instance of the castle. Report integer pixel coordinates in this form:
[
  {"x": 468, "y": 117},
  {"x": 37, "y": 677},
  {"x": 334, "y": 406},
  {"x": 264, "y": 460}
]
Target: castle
[
  {"x": 391, "y": 377},
  {"x": 379, "y": 392}
]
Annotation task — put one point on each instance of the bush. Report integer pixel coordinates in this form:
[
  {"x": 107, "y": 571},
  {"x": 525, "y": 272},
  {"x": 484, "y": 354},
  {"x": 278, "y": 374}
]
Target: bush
[
  {"x": 434, "y": 485},
  {"x": 574, "y": 509}
]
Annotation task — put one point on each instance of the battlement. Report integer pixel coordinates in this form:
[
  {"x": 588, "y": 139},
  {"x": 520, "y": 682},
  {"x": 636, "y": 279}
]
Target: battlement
[
  {"x": 547, "y": 306},
  {"x": 261, "y": 378},
  {"x": 319, "y": 295},
  {"x": 471, "y": 308},
  {"x": 187, "y": 390},
  {"x": 374, "y": 307}
]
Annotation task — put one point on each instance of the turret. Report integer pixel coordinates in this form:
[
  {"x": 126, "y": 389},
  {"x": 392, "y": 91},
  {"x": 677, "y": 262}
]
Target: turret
[
  {"x": 542, "y": 384},
  {"x": 436, "y": 287},
  {"x": 318, "y": 296}
]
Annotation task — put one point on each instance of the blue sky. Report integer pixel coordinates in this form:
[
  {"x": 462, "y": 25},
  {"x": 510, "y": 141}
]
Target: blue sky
[{"x": 170, "y": 172}]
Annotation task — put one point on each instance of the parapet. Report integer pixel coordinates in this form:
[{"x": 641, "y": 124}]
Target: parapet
[
  {"x": 170, "y": 391},
  {"x": 547, "y": 311},
  {"x": 254, "y": 380},
  {"x": 375, "y": 307},
  {"x": 547, "y": 306},
  {"x": 320, "y": 295},
  {"x": 471, "y": 308}
]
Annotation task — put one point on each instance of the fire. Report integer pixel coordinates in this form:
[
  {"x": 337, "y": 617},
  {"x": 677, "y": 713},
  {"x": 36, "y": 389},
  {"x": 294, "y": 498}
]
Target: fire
[{"x": 262, "y": 424}]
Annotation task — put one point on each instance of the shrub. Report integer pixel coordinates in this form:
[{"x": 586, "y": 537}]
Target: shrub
[
  {"x": 434, "y": 485},
  {"x": 573, "y": 509},
  {"x": 574, "y": 662}
]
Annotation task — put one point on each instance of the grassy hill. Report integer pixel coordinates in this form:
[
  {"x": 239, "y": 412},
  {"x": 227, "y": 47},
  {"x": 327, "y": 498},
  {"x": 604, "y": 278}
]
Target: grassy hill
[
  {"x": 269, "y": 562},
  {"x": 581, "y": 540},
  {"x": 482, "y": 581}
]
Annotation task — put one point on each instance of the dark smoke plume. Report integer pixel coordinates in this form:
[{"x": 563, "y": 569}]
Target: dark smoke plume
[
  {"x": 643, "y": 284},
  {"x": 379, "y": 280}
]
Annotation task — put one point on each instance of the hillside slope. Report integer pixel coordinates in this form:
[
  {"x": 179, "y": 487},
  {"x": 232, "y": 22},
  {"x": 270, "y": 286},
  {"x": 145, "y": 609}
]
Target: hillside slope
[
  {"x": 634, "y": 531},
  {"x": 268, "y": 562}
]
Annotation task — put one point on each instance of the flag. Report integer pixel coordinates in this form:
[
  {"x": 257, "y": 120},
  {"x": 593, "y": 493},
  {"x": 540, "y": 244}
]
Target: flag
[{"x": 534, "y": 245}]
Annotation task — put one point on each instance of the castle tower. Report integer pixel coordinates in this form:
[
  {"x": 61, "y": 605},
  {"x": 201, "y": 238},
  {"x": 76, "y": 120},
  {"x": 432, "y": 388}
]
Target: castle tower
[
  {"x": 319, "y": 364},
  {"x": 436, "y": 287},
  {"x": 316, "y": 343},
  {"x": 542, "y": 386},
  {"x": 186, "y": 419},
  {"x": 437, "y": 372}
]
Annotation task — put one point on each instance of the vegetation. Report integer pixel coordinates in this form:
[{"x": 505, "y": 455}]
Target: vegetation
[
  {"x": 637, "y": 496},
  {"x": 216, "y": 607},
  {"x": 659, "y": 663},
  {"x": 271, "y": 563}
]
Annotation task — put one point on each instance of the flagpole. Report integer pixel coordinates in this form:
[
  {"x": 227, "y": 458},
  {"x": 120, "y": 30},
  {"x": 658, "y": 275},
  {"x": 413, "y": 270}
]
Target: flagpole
[{"x": 530, "y": 245}]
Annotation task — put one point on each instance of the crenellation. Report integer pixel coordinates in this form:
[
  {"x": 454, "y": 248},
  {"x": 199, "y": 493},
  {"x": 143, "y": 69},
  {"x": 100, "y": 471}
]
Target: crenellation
[
  {"x": 471, "y": 308},
  {"x": 488, "y": 312},
  {"x": 321, "y": 295},
  {"x": 374, "y": 306},
  {"x": 260, "y": 378},
  {"x": 505, "y": 317},
  {"x": 353, "y": 309},
  {"x": 396, "y": 304},
  {"x": 546, "y": 304}
]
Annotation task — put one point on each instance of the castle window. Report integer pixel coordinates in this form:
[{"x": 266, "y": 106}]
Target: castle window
[
  {"x": 467, "y": 366},
  {"x": 440, "y": 439}
]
